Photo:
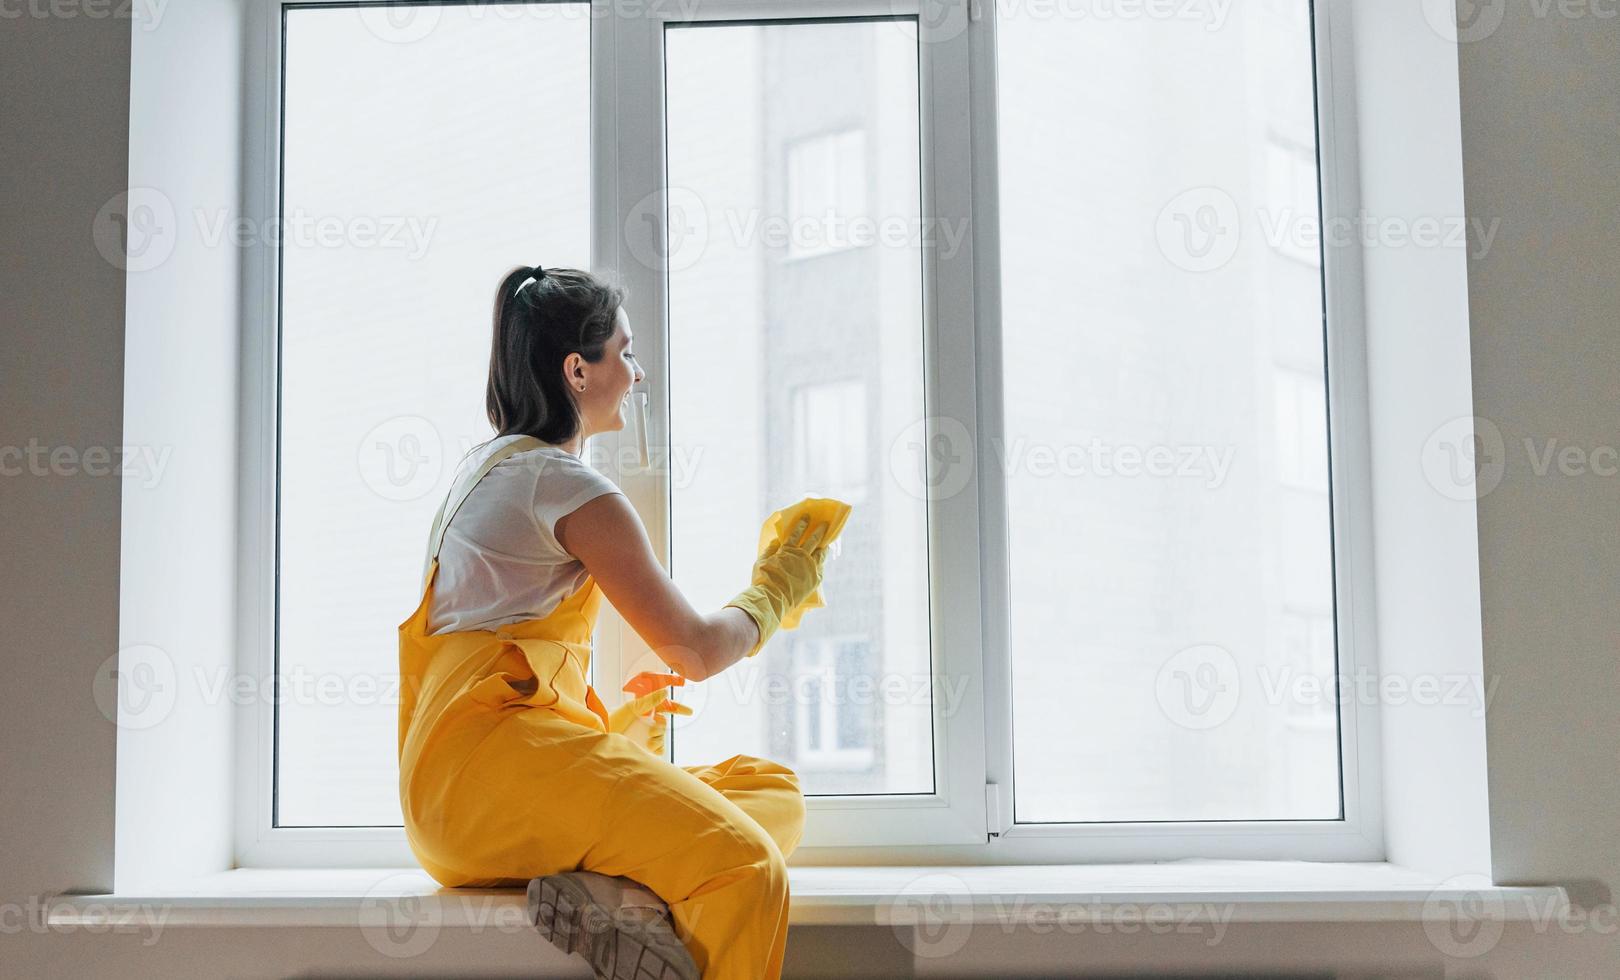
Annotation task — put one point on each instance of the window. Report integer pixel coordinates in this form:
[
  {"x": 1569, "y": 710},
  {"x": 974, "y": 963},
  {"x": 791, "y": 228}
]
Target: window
[
  {"x": 407, "y": 190},
  {"x": 829, "y": 440},
  {"x": 1301, "y": 438},
  {"x": 826, "y": 192},
  {"x": 1152, "y": 553},
  {"x": 832, "y": 717},
  {"x": 1026, "y": 289},
  {"x": 1291, "y": 220},
  {"x": 775, "y": 431}
]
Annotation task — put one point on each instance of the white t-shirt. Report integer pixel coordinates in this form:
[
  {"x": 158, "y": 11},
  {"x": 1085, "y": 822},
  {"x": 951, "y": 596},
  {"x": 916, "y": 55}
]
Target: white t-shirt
[{"x": 500, "y": 561}]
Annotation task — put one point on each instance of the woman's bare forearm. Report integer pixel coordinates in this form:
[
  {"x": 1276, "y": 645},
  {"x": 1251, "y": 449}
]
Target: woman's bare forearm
[
  {"x": 608, "y": 538},
  {"x": 731, "y": 633}
]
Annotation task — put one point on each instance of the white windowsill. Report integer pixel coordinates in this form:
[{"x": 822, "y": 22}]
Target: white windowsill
[{"x": 1235, "y": 891}]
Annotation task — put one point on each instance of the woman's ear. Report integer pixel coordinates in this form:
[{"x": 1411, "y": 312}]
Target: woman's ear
[{"x": 573, "y": 371}]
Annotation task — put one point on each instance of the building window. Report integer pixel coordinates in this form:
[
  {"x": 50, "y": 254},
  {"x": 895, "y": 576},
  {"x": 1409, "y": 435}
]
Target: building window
[
  {"x": 832, "y": 719},
  {"x": 829, "y": 439},
  {"x": 826, "y": 193}
]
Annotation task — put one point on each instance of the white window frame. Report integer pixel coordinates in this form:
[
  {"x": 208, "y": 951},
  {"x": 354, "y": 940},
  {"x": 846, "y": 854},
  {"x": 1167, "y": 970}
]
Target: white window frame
[{"x": 969, "y": 818}]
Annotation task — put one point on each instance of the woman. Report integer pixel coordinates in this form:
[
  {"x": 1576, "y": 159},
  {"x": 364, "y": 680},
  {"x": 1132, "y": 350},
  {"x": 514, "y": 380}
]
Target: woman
[{"x": 511, "y": 769}]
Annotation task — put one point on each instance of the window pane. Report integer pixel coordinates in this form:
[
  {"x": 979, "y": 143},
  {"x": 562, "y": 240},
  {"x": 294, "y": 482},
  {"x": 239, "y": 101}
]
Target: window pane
[
  {"x": 427, "y": 151},
  {"x": 796, "y": 359},
  {"x": 1166, "y": 451}
]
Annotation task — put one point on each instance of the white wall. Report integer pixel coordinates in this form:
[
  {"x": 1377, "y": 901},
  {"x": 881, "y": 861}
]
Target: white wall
[
  {"x": 177, "y": 616},
  {"x": 1540, "y": 114}
]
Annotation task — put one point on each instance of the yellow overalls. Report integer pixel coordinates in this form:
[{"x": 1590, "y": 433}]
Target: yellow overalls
[{"x": 507, "y": 772}]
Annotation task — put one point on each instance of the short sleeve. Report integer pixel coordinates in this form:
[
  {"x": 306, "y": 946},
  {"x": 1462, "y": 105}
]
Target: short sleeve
[{"x": 563, "y": 484}]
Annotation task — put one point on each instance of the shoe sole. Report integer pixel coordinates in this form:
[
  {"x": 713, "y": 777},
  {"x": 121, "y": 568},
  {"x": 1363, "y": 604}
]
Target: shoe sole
[{"x": 619, "y": 944}]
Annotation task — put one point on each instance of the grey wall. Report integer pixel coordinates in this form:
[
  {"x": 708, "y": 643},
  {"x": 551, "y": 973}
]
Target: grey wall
[
  {"x": 64, "y": 126},
  {"x": 1541, "y": 136},
  {"x": 1541, "y": 150}
]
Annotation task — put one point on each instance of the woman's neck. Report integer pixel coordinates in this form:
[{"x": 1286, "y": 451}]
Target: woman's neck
[{"x": 574, "y": 446}]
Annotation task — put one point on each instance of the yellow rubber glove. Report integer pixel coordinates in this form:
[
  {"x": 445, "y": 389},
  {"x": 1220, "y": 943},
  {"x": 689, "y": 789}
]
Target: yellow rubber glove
[
  {"x": 834, "y": 512},
  {"x": 784, "y": 577},
  {"x": 645, "y": 718}
]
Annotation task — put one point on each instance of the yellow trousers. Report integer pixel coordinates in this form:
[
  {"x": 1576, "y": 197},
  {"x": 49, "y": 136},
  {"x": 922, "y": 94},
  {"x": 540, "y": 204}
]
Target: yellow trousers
[
  {"x": 507, "y": 773},
  {"x": 710, "y": 841}
]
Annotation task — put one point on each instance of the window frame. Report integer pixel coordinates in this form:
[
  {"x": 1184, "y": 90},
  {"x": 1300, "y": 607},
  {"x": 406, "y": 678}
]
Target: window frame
[{"x": 969, "y": 817}]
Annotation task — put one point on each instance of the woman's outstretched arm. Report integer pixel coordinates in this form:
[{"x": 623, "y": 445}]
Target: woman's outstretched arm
[{"x": 607, "y": 536}]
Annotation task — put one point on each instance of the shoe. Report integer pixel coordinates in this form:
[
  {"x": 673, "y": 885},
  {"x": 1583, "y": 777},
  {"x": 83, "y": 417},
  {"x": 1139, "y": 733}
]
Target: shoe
[{"x": 621, "y": 929}]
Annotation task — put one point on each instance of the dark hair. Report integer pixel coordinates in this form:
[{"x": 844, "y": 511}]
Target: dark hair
[{"x": 542, "y": 316}]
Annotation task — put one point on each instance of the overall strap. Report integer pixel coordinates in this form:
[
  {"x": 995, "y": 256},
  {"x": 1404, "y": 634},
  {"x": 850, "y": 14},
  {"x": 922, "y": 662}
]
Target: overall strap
[{"x": 505, "y": 446}]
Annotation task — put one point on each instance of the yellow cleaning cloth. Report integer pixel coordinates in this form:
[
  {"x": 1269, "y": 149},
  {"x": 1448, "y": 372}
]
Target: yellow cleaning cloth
[{"x": 833, "y": 513}]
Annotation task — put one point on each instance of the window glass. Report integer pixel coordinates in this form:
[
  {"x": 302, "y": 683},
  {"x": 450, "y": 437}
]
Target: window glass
[
  {"x": 797, "y": 370},
  {"x": 427, "y": 151},
  {"x": 1166, "y": 454}
]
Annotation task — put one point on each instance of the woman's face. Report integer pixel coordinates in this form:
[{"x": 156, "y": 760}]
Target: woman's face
[{"x": 604, "y": 405}]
